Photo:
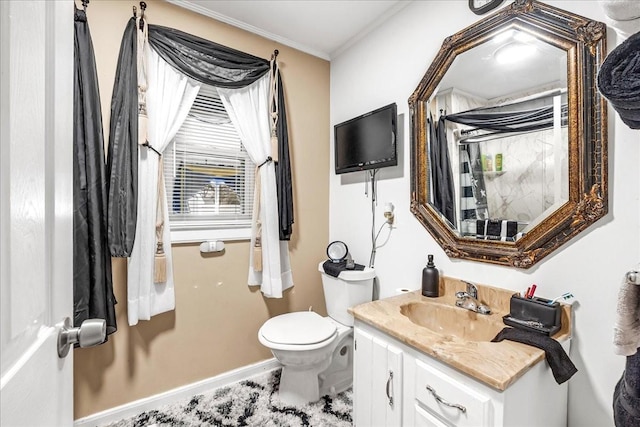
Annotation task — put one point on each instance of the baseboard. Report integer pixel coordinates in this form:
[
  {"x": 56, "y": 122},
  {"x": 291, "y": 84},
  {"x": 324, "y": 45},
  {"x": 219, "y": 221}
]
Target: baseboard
[{"x": 158, "y": 400}]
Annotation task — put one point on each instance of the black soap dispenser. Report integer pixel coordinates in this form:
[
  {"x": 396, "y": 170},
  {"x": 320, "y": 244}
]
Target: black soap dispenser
[{"x": 430, "y": 279}]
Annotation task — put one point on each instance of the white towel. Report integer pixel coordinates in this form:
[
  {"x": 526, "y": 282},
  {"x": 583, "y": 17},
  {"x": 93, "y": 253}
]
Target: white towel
[
  {"x": 622, "y": 15},
  {"x": 621, "y": 10},
  {"x": 626, "y": 331}
]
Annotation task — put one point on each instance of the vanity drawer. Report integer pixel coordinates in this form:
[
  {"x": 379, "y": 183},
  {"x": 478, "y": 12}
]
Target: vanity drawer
[{"x": 449, "y": 399}]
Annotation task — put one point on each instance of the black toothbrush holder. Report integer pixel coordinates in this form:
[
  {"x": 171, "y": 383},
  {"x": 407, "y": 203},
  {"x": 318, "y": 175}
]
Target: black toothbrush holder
[{"x": 534, "y": 314}]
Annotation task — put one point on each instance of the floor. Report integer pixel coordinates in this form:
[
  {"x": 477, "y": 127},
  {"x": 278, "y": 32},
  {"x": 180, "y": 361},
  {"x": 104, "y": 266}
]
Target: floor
[{"x": 251, "y": 402}]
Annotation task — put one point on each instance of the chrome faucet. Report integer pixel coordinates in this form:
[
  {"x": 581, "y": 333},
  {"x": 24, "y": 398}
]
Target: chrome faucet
[{"x": 469, "y": 300}]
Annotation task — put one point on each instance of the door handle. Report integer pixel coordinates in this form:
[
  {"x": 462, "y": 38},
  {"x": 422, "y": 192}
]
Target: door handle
[{"x": 92, "y": 332}]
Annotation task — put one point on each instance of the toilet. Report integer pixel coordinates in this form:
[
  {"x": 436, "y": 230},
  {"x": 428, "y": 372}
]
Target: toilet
[{"x": 316, "y": 352}]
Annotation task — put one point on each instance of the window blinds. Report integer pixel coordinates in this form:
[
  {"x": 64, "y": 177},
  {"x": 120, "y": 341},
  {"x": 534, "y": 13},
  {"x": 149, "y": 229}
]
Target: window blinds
[{"x": 208, "y": 174}]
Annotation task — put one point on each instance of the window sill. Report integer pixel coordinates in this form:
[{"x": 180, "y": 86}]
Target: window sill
[{"x": 199, "y": 236}]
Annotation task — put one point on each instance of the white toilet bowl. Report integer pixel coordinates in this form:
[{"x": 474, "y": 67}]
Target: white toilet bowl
[
  {"x": 316, "y": 352},
  {"x": 305, "y": 352}
]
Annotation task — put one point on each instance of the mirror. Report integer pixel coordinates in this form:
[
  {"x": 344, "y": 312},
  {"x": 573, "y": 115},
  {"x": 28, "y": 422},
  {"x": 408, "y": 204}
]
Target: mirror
[{"x": 508, "y": 133}]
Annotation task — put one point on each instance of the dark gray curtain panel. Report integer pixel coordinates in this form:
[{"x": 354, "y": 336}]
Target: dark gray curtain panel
[
  {"x": 122, "y": 153},
  {"x": 441, "y": 174},
  {"x": 284, "y": 184},
  {"x": 92, "y": 285}
]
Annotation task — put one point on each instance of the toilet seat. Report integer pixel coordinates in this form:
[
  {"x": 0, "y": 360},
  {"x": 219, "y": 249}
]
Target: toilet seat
[{"x": 303, "y": 330}]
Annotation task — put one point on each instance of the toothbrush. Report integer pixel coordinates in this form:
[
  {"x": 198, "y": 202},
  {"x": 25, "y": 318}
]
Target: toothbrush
[{"x": 563, "y": 297}]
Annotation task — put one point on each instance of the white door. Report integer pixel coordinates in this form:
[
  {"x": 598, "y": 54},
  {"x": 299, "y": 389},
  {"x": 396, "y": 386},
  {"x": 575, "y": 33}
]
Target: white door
[{"x": 36, "y": 272}]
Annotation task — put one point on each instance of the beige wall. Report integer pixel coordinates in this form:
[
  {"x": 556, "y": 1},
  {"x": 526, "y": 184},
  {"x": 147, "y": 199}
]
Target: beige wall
[{"x": 214, "y": 327}]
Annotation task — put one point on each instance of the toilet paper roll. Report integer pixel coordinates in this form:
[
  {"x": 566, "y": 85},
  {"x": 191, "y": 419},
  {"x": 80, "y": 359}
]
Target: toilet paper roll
[{"x": 402, "y": 291}]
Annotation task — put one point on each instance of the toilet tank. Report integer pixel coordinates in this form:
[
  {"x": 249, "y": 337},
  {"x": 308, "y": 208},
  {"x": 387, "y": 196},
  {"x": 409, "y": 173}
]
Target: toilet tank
[{"x": 350, "y": 288}]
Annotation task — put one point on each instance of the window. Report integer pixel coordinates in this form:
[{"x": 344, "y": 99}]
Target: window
[{"x": 208, "y": 175}]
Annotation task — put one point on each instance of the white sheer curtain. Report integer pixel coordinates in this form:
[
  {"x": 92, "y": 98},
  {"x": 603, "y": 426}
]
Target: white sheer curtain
[
  {"x": 248, "y": 109},
  {"x": 170, "y": 95}
]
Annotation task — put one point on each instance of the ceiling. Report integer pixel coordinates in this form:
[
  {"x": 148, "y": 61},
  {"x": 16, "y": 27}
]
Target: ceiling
[{"x": 322, "y": 28}]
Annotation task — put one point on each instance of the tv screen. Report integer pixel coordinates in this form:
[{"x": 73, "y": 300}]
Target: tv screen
[{"x": 367, "y": 141}]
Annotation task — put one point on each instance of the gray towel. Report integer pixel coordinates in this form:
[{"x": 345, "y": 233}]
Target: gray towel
[
  {"x": 626, "y": 397},
  {"x": 626, "y": 331}
]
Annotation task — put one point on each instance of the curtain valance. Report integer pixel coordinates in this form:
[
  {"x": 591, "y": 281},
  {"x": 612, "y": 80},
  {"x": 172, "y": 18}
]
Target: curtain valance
[{"x": 204, "y": 60}]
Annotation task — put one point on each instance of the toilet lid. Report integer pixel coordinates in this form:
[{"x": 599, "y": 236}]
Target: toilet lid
[{"x": 302, "y": 327}]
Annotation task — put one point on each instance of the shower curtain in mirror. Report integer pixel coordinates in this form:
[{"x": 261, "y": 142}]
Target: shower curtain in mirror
[
  {"x": 523, "y": 116},
  {"x": 92, "y": 283},
  {"x": 442, "y": 190},
  {"x": 473, "y": 195}
]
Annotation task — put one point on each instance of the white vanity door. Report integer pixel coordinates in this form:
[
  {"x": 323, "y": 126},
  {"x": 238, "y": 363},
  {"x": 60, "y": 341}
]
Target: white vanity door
[
  {"x": 377, "y": 382},
  {"x": 362, "y": 380}
]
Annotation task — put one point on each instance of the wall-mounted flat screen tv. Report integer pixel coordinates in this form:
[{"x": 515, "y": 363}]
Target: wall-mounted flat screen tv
[{"x": 367, "y": 141}]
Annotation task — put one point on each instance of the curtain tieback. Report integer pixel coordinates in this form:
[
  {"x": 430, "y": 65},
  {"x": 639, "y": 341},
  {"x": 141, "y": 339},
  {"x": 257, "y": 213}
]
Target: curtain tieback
[
  {"x": 257, "y": 244},
  {"x": 267, "y": 160},
  {"x": 273, "y": 106},
  {"x": 142, "y": 41}
]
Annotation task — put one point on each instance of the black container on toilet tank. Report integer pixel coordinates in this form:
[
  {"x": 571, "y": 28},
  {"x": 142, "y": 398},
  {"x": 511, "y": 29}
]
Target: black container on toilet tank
[{"x": 430, "y": 279}]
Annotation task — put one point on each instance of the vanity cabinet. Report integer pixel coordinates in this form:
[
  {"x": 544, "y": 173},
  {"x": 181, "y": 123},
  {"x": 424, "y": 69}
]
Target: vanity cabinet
[{"x": 397, "y": 385}]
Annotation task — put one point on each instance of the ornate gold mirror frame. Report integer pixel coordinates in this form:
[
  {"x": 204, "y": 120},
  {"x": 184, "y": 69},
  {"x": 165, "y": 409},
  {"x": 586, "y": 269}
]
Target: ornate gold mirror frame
[{"x": 584, "y": 42}]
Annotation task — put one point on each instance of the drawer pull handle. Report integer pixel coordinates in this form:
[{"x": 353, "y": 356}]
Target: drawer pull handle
[
  {"x": 389, "y": 382},
  {"x": 444, "y": 402}
]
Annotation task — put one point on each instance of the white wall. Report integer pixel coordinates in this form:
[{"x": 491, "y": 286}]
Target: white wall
[{"x": 386, "y": 66}]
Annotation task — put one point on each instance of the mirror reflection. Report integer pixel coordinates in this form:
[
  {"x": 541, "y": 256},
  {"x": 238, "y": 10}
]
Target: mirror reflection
[
  {"x": 508, "y": 136},
  {"x": 498, "y": 138}
]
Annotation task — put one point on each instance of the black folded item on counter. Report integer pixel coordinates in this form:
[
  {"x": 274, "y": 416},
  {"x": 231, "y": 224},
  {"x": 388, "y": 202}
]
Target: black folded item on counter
[
  {"x": 335, "y": 268},
  {"x": 561, "y": 366},
  {"x": 619, "y": 80}
]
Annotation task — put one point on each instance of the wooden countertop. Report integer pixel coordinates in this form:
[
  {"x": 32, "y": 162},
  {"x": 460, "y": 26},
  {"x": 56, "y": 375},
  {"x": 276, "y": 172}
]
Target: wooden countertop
[{"x": 495, "y": 364}]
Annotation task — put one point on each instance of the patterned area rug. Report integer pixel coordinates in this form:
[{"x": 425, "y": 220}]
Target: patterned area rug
[{"x": 252, "y": 402}]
